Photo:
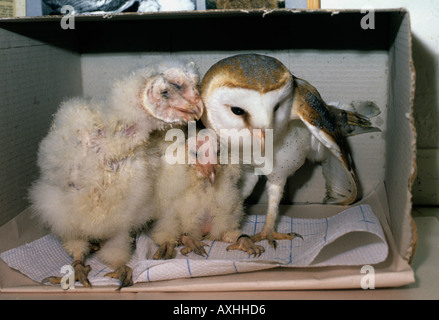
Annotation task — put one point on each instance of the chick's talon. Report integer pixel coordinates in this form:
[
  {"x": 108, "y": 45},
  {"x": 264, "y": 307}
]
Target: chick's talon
[
  {"x": 165, "y": 251},
  {"x": 191, "y": 244},
  {"x": 245, "y": 243},
  {"x": 81, "y": 273},
  {"x": 124, "y": 274}
]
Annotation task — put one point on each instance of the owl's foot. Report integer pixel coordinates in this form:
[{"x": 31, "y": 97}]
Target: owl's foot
[
  {"x": 191, "y": 244},
  {"x": 272, "y": 236},
  {"x": 165, "y": 251},
  {"x": 124, "y": 274},
  {"x": 81, "y": 273},
  {"x": 245, "y": 243},
  {"x": 95, "y": 246}
]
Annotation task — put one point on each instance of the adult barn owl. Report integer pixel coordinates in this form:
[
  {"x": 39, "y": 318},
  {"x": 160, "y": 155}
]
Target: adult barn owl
[
  {"x": 258, "y": 92},
  {"x": 95, "y": 183}
]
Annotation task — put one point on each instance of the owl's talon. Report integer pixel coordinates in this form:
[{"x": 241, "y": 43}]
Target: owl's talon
[
  {"x": 294, "y": 235},
  {"x": 191, "y": 244},
  {"x": 81, "y": 273},
  {"x": 165, "y": 251},
  {"x": 124, "y": 274},
  {"x": 245, "y": 243},
  {"x": 271, "y": 237}
]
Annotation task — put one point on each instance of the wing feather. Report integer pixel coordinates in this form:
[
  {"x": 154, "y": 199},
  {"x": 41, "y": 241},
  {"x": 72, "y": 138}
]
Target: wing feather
[{"x": 341, "y": 181}]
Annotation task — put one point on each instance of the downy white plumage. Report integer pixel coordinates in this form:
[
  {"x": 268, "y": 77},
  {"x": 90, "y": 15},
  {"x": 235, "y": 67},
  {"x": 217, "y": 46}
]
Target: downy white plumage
[
  {"x": 95, "y": 179},
  {"x": 197, "y": 201}
]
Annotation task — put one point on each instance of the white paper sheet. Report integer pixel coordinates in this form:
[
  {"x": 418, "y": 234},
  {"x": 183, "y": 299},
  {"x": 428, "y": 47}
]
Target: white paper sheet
[{"x": 352, "y": 237}]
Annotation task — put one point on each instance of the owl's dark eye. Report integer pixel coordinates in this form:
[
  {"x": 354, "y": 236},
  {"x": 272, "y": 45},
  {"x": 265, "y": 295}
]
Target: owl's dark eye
[
  {"x": 165, "y": 94},
  {"x": 276, "y": 107},
  {"x": 177, "y": 86},
  {"x": 238, "y": 111}
]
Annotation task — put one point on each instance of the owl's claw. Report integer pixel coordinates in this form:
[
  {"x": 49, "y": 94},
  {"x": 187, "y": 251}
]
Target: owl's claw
[
  {"x": 271, "y": 237},
  {"x": 81, "y": 273},
  {"x": 124, "y": 274},
  {"x": 245, "y": 243},
  {"x": 165, "y": 251},
  {"x": 191, "y": 244}
]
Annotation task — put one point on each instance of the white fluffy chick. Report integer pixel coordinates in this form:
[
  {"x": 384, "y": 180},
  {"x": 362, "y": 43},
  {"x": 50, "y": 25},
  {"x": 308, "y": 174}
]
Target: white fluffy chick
[
  {"x": 251, "y": 91},
  {"x": 199, "y": 200},
  {"x": 95, "y": 181}
]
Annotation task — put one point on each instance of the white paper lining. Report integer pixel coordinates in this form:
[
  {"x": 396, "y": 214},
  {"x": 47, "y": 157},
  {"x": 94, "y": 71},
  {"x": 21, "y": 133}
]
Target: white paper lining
[{"x": 352, "y": 237}]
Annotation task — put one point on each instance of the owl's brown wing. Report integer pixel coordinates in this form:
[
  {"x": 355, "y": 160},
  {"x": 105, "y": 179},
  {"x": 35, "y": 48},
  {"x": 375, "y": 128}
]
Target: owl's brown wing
[{"x": 341, "y": 181}]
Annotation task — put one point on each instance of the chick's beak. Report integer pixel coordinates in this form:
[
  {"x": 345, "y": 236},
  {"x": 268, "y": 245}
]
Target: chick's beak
[
  {"x": 211, "y": 175},
  {"x": 190, "y": 109},
  {"x": 196, "y": 103},
  {"x": 208, "y": 170},
  {"x": 199, "y": 106}
]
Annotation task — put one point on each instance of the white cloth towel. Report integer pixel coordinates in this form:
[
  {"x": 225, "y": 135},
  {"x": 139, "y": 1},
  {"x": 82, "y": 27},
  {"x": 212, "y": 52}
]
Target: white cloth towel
[{"x": 352, "y": 237}]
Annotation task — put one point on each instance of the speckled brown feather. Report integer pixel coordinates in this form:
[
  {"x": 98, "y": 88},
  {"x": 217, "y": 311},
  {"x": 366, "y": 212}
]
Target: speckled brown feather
[
  {"x": 310, "y": 107},
  {"x": 248, "y": 71}
]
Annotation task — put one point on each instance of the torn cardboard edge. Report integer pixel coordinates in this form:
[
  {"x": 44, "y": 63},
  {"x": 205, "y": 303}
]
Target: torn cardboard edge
[
  {"x": 392, "y": 272},
  {"x": 402, "y": 93},
  {"x": 191, "y": 14}
]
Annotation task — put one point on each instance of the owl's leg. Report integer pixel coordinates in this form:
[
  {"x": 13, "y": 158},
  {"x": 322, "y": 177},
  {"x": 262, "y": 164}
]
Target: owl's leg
[
  {"x": 192, "y": 244},
  {"x": 165, "y": 251},
  {"x": 165, "y": 234},
  {"x": 116, "y": 252},
  {"x": 124, "y": 274},
  {"x": 77, "y": 248},
  {"x": 268, "y": 232}
]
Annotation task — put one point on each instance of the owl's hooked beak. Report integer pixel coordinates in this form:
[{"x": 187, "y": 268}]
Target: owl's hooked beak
[{"x": 260, "y": 135}]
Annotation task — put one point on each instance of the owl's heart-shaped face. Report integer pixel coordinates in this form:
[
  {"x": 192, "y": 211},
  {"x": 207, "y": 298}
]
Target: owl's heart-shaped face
[
  {"x": 239, "y": 108},
  {"x": 247, "y": 91},
  {"x": 248, "y": 100},
  {"x": 172, "y": 96}
]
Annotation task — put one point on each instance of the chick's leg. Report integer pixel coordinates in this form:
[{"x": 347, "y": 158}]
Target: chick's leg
[
  {"x": 116, "y": 252},
  {"x": 124, "y": 274},
  {"x": 226, "y": 228},
  {"x": 268, "y": 232},
  {"x": 192, "y": 244},
  {"x": 165, "y": 234},
  {"x": 165, "y": 251},
  {"x": 166, "y": 242},
  {"x": 248, "y": 182},
  {"x": 78, "y": 249}
]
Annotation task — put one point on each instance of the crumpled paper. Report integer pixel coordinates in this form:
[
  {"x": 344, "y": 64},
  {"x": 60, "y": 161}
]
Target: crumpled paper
[{"x": 352, "y": 237}]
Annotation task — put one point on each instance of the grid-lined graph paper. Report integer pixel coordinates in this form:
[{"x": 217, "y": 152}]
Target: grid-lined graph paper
[{"x": 352, "y": 237}]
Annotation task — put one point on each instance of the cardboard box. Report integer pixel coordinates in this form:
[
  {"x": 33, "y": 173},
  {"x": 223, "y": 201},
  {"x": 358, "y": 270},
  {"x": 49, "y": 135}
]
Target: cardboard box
[{"x": 42, "y": 63}]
